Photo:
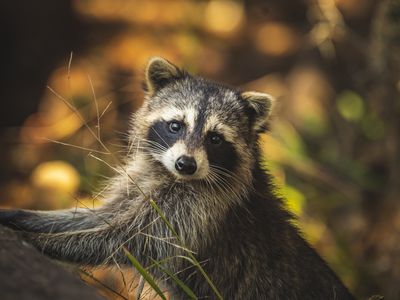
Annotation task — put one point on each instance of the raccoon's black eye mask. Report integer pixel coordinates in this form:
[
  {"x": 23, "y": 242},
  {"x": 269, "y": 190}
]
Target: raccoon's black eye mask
[
  {"x": 220, "y": 153},
  {"x": 166, "y": 133}
]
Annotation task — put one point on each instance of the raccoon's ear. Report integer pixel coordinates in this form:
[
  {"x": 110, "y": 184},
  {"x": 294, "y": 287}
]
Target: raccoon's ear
[
  {"x": 160, "y": 72},
  {"x": 260, "y": 107}
]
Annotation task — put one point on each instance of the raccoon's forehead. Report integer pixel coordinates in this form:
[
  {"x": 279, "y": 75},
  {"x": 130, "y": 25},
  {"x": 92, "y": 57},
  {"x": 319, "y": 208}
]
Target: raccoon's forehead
[
  {"x": 197, "y": 91},
  {"x": 199, "y": 102}
]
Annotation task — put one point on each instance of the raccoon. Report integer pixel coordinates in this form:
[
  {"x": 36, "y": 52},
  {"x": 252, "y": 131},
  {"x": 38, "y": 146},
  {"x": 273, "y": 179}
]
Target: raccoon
[{"x": 196, "y": 155}]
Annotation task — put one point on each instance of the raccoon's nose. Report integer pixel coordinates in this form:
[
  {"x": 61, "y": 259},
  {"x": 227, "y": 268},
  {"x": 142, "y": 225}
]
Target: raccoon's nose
[{"x": 186, "y": 165}]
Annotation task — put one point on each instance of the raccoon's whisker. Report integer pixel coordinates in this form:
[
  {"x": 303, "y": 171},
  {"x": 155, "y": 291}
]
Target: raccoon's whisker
[
  {"x": 137, "y": 148},
  {"x": 213, "y": 180},
  {"x": 227, "y": 172},
  {"x": 148, "y": 145},
  {"x": 219, "y": 186},
  {"x": 208, "y": 183},
  {"x": 226, "y": 185},
  {"x": 125, "y": 134},
  {"x": 222, "y": 171},
  {"x": 240, "y": 186},
  {"x": 153, "y": 144},
  {"x": 131, "y": 144},
  {"x": 159, "y": 136},
  {"x": 153, "y": 150},
  {"x": 223, "y": 178}
]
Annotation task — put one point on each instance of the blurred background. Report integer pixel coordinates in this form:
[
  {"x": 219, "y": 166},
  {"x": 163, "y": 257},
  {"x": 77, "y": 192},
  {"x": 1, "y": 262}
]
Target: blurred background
[{"x": 334, "y": 147}]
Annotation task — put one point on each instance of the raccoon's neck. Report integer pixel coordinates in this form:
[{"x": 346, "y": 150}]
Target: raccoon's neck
[
  {"x": 195, "y": 209},
  {"x": 193, "y": 212}
]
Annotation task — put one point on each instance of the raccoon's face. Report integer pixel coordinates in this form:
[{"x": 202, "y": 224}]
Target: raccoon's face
[
  {"x": 197, "y": 129},
  {"x": 191, "y": 141}
]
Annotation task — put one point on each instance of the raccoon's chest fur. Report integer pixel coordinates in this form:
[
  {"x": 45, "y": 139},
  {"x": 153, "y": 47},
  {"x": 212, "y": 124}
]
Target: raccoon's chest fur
[
  {"x": 249, "y": 250},
  {"x": 195, "y": 214}
]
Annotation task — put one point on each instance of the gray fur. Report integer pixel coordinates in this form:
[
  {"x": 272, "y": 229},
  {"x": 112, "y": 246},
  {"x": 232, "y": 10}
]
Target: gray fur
[{"x": 232, "y": 221}]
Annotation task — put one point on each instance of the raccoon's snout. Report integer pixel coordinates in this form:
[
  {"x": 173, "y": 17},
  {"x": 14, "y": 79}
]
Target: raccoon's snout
[{"x": 186, "y": 165}]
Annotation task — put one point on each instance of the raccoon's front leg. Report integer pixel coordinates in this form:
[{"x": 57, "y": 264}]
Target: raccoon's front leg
[
  {"x": 52, "y": 221},
  {"x": 84, "y": 236},
  {"x": 86, "y": 247}
]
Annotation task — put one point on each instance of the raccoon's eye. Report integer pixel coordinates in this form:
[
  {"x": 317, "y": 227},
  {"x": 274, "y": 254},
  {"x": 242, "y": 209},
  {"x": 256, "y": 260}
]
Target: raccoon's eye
[
  {"x": 175, "y": 126},
  {"x": 215, "y": 139}
]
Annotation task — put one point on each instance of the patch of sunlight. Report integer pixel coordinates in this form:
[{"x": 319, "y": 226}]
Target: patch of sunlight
[
  {"x": 310, "y": 93},
  {"x": 143, "y": 12},
  {"x": 272, "y": 150},
  {"x": 223, "y": 16},
  {"x": 141, "y": 47},
  {"x": 313, "y": 230},
  {"x": 273, "y": 84},
  {"x": 276, "y": 39},
  {"x": 76, "y": 84},
  {"x": 56, "y": 175},
  {"x": 63, "y": 128},
  {"x": 350, "y": 105},
  {"x": 283, "y": 146},
  {"x": 37, "y": 129}
]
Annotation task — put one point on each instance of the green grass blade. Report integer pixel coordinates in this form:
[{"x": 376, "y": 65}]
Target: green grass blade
[
  {"x": 160, "y": 213},
  {"x": 191, "y": 256},
  {"x": 179, "y": 282},
  {"x": 144, "y": 273}
]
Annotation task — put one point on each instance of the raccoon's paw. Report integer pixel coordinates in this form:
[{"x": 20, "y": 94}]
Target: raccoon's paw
[{"x": 12, "y": 218}]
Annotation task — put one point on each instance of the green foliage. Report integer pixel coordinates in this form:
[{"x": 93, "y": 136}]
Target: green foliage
[
  {"x": 179, "y": 282},
  {"x": 372, "y": 126},
  {"x": 350, "y": 105},
  {"x": 144, "y": 273},
  {"x": 295, "y": 200},
  {"x": 315, "y": 125}
]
